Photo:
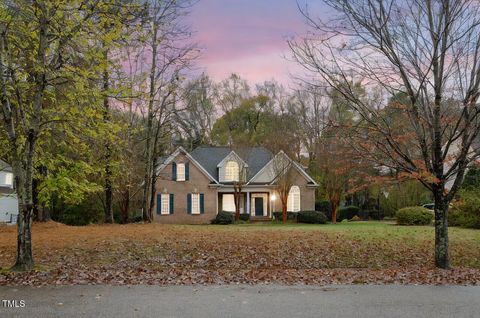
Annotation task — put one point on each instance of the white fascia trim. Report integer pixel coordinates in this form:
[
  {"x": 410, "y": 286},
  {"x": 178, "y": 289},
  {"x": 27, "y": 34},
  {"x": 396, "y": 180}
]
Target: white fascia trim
[
  {"x": 295, "y": 164},
  {"x": 232, "y": 153},
  {"x": 261, "y": 170},
  {"x": 195, "y": 162}
]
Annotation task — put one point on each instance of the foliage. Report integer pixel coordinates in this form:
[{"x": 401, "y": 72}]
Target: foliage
[
  {"x": 356, "y": 218},
  {"x": 465, "y": 212},
  {"x": 291, "y": 216},
  {"x": 224, "y": 218},
  {"x": 323, "y": 206},
  {"x": 414, "y": 216},
  {"x": 241, "y": 125},
  {"x": 313, "y": 217},
  {"x": 79, "y": 215},
  {"x": 245, "y": 217},
  {"x": 347, "y": 213},
  {"x": 472, "y": 179},
  {"x": 401, "y": 195}
]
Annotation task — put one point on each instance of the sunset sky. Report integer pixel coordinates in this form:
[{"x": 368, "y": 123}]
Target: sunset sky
[{"x": 247, "y": 37}]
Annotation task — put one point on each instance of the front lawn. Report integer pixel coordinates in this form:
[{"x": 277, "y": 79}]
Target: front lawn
[{"x": 356, "y": 252}]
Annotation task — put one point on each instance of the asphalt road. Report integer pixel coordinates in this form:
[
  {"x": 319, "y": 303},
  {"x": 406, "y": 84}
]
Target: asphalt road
[{"x": 243, "y": 301}]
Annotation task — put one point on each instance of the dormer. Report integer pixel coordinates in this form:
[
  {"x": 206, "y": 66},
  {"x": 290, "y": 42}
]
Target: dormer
[{"x": 232, "y": 169}]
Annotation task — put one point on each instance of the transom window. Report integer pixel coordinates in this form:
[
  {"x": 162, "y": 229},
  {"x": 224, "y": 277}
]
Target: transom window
[
  {"x": 293, "y": 200},
  {"x": 231, "y": 171},
  {"x": 180, "y": 172},
  {"x": 195, "y": 203},
  {"x": 165, "y": 201}
]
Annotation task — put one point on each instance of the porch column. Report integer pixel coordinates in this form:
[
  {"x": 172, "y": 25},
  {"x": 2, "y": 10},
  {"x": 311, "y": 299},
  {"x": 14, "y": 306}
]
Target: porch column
[{"x": 248, "y": 202}]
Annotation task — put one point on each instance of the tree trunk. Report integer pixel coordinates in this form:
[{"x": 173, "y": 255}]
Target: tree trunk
[
  {"x": 149, "y": 130},
  {"x": 24, "y": 259},
  {"x": 334, "y": 213},
  {"x": 237, "y": 196},
  {"x": 153, "y": 188},
  {"x": 441, "y": 232},
  {"x": 125, "y": 205},
  {"x": 108, "y": 150}
]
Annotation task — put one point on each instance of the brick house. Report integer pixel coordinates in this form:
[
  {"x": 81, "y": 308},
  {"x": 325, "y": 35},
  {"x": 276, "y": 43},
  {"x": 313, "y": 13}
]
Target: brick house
[{"x": 193, "y": 187}]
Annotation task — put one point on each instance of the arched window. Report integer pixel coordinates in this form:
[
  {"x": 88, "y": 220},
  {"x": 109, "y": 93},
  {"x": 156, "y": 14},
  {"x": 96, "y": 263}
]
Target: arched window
[
  {"x": 231, "y": 171},
  {"x": 293, "y": 200}
]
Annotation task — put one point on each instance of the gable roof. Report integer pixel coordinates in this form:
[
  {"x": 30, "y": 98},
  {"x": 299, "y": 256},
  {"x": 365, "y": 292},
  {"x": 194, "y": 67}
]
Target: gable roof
[
  {"x": 209, "y": 157},
  {"x": 165, "y": 160},
  {"x": 294, "y": 164}
]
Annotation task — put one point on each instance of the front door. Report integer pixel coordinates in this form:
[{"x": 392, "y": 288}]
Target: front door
[{"x": 258, "y": 206}]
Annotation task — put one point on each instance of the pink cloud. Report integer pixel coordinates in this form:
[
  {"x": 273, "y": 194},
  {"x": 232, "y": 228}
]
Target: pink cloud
[{"x": 246, "y": 37}]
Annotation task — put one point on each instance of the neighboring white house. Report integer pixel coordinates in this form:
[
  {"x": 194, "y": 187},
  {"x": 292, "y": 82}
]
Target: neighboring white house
[{"x": 8, "y": 198}]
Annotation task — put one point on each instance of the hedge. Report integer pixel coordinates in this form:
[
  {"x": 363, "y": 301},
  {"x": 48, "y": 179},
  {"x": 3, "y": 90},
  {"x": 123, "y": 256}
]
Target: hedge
[
  {"x": 224, "y": 218},
  {"x": 312, "y": 217},
  {"x": 244, "y": 217},
  {"x": 347, "y": 212},
  {"x": 291, "y": 216},
  {"x": 414, "y": 216}
]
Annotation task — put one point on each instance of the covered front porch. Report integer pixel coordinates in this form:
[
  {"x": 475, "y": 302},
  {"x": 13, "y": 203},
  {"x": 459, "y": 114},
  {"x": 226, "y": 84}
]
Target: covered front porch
[{"x": 258, "y": 203}]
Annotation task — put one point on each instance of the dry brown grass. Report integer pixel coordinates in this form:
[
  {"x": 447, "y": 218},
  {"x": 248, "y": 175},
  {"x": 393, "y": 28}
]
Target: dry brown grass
[{"x": 181, "y": 254}]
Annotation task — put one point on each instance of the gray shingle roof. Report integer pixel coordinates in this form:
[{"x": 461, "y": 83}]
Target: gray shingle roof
[{"x": 210, "y": 157}]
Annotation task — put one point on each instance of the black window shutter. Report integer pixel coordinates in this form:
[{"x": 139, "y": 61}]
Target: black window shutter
[
  {"x": 171, "y": 203},
  {"x": 174, "y": 171},
  {"x": 187, "y": 171},
  {"x": 202, "y": 204},
  {"x": 159, "y": 203},
  {"x": 189, "y": 203}
]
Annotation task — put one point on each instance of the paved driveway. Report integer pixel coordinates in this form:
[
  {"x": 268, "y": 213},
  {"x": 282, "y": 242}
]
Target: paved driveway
[{"x": 242, "y": 301}]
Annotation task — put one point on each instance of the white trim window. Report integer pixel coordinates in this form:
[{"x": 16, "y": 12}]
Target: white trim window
[
  {"x": 293, "y": 200},
  {"x": 180, "y": 172},
  {"x": 232, "y": 171},
  {"x": 6, "y": 179},
  {"x": 195, "y": 203},
  {"x": 165, "y": 201},
  {"x": 228, "y": 203}
]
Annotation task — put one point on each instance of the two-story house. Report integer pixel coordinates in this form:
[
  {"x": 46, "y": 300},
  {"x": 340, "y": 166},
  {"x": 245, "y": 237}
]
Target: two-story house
[{"x": 193, "y": 187}]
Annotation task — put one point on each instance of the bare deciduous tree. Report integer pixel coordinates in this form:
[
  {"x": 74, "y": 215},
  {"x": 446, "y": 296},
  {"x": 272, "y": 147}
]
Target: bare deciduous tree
[{"x": 427, "y": 50}]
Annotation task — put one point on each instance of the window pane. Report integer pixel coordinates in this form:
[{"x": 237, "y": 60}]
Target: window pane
[
  {"x": 9, "y": 179},
  {"x": 180, "y": 172},
  {"x": 195, "y": 203},
  {"x": 165, "y": 204},
  {"x": 293, "y": 200},
  {"x": 231, "y": 171},
  {"x": 228, "y": 203}
]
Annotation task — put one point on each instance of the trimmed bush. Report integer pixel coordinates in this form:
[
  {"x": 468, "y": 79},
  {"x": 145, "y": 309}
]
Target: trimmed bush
[
  {"x": 347, "y": 213},
  {"x": 414, "y": 216},
  {"x": 312, "y": 217},
  {"x": 224, "y": 218},
  {"x": 244, "y": 217},
  {"x": 291, "y": 216},
  {"x": 466, "y": 211}
]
